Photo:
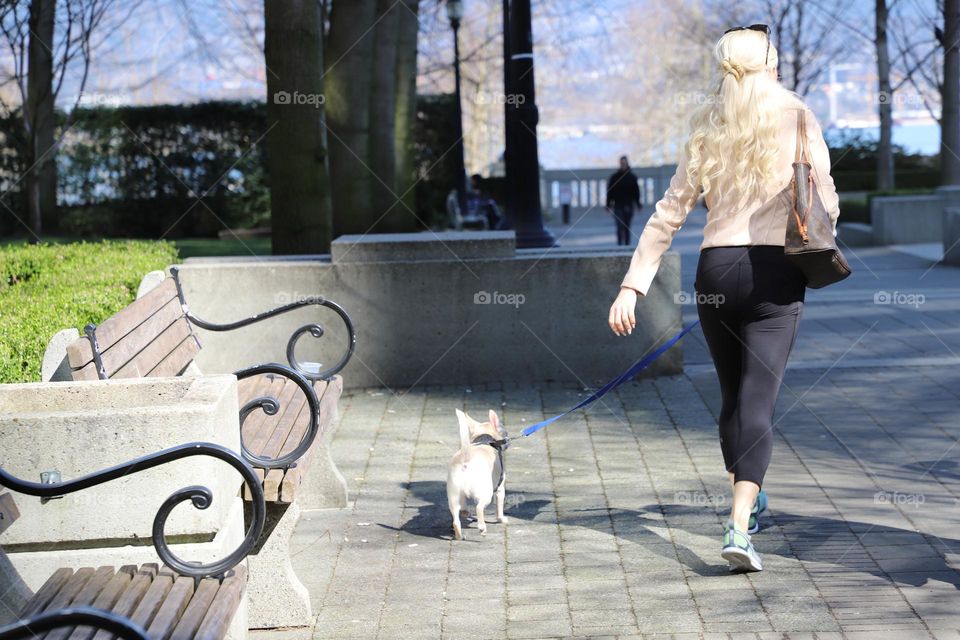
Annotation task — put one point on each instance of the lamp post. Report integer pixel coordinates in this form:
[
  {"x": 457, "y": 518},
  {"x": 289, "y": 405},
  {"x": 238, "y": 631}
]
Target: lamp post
[{"x": 455, "y": 15}]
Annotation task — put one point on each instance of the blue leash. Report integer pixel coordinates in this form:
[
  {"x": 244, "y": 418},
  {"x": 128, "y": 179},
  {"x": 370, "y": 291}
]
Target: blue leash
[{"x": 629, "y": 374}]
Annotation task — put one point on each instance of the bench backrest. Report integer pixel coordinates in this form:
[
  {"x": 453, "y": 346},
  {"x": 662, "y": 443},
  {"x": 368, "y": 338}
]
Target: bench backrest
[{"x": 151, "y": 337}]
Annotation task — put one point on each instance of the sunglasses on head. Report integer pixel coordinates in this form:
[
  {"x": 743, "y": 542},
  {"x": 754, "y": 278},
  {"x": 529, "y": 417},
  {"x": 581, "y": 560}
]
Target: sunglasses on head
[{"x": 762, "y": 28}]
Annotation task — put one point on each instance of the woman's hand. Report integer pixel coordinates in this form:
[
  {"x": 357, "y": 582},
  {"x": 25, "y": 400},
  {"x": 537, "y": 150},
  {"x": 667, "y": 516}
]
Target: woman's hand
[{"x": 622, "y": 316}]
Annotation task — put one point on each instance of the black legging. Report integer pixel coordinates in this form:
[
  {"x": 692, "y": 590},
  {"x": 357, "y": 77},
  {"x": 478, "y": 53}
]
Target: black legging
[
  {"x": 749, "y": 299},
  {"x": 623, "y": 213}
]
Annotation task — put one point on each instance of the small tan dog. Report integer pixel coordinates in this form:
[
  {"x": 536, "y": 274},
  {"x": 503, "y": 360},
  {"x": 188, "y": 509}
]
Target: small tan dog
[{"x": 476, "y": 470}]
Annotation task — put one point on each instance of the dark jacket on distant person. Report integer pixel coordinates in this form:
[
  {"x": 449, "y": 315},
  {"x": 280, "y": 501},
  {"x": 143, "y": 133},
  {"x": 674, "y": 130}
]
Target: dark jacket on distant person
[{"x": 622, "y": 188}]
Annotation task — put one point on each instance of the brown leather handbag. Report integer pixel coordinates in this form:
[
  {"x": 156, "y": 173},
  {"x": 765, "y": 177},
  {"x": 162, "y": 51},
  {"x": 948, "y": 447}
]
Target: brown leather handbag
[{"x": 809, "y": 242}]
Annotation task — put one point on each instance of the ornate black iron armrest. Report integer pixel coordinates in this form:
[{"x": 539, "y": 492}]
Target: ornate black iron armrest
[
  {"x": 34, "y": 626},
  {"x": 313, "y": 328},
  {"x": 271, "y": 405},
  {"x": 201, "y": 497}
]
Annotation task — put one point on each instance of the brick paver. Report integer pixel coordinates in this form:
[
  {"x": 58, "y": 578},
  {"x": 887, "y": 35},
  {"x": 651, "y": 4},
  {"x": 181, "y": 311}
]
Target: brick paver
[{"x": 615, "y": 512}]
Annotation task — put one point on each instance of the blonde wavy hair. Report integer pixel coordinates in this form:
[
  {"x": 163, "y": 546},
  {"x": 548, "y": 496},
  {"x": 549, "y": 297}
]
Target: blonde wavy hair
[{"x": 735, "y": 131}]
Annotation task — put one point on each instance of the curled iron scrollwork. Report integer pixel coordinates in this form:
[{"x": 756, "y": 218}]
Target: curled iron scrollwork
[
  {"x": 314, "y": 329},
  {"x": 270, "y": 406},
  {"x": 35, "y": 626},
  {"x": 200, "y": 497}
]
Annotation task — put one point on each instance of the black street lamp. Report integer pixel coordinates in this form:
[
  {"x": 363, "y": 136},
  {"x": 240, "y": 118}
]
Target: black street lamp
[{"x": 455, "y": 15}]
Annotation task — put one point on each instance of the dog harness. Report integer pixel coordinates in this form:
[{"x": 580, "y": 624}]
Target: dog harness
[{"x": 499, "y": 445}]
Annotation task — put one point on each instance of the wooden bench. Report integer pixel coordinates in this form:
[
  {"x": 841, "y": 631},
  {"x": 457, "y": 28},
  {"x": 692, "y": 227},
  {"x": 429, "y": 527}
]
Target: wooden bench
[
  {"x": 177, "y": 600},
  {"x": 163, "y": 603},
  {"x": 285, "y": 412}
]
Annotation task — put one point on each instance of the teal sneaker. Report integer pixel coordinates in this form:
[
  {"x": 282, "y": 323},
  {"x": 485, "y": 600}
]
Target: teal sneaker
[
  {"x": 739, "y": 551},
  {"x": 759, "y": 506}
]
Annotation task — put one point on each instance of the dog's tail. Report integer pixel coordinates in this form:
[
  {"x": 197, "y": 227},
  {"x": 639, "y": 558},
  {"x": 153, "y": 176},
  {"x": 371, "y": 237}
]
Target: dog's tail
[{"x": 464, "y": 433}]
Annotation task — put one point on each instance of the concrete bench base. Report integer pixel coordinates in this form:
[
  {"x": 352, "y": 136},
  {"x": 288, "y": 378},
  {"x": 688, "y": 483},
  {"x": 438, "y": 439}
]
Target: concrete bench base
[{"x": 277, "y": 598}]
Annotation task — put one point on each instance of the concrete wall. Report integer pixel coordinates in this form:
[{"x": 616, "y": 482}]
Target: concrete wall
[
  {"x": 428, "y": 322},
  {"x": 907, "y": 219},
  {"x": 951, "y": 236}
]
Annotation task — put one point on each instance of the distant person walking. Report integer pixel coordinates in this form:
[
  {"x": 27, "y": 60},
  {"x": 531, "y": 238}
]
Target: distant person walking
[
  {"x": 622, "y": 194},
  {"x": 743, "y": 142}
]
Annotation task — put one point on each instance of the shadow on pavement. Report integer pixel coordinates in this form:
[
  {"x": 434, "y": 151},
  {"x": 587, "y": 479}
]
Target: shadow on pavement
[{"x": 808, "y": 538}]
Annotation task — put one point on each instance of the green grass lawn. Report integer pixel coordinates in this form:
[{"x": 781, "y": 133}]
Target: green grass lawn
[{"x": 186, "y": 248}]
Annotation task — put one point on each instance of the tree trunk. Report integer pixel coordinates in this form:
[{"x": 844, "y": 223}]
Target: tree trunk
[
  {"x": 406, "y": 111},
  {"x": 39, "y": 122},
  {"x": 885, "y": 175},
  {"x": 950, "y": 95},
  {"x": 386, "y": 207},
  {"x": 348, "y": 83},
  {"x": 296, "y": 143}
]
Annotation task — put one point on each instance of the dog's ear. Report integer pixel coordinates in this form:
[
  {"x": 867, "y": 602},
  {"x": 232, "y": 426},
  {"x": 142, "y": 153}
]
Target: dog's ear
[
  {"x": 494, "y": 420},
  {"x": 463, "y": 418}
]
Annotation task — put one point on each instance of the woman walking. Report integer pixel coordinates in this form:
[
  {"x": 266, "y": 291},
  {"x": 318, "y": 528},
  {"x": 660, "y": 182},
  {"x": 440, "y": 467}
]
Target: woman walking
[{"x": 739, "y": 157}]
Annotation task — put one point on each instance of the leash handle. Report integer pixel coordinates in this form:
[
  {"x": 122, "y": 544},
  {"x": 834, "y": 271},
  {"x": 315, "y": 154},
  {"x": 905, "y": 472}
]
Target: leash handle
[{"x": 629, "y": 374}]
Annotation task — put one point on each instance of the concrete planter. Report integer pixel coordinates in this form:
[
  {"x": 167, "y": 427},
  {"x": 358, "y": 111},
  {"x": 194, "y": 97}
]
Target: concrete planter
[{"x": 79, "y": 427}]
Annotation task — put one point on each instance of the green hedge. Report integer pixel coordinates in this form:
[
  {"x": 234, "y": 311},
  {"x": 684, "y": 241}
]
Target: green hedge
[{"x": 49, "y": 287}]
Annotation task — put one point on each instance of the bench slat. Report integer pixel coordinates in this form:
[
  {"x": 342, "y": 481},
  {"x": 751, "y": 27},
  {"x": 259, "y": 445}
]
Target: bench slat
[
  {"x": 273, "y": 479},
  {"x": 158, "y": 586},
  {"x": 128, "y": 601},
  {"x": 117, "y": 326},
  {"x": 107, "y": 598},
  {"x": 250, "y": 388},
  {"x": 261, "y": 432},
  {"x": 144, "y": 362},
  {"x": 196, "y": 610},
  {"x": 70, "y": 589},
  {"x": 47, "y": 592},
  {"x": 91, "y": 589},
  {"x": 178, "y": 359},
  {"x": 126, "y": 348},
  {"x": 172, "y": 608},
  {"x": 294, "y": 405},
  {"x": 263, "y": 385},
  {"x": 329, "y": 396},
  {"x": 224, "y": 606},
  {"x": 258, "y": 423},
  {"x": 265, "y": 430}
]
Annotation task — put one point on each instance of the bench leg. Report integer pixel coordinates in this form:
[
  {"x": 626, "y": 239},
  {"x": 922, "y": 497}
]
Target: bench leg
[
  {"x": 323, "y": 487},
  {"x": 276, "y": 597}
]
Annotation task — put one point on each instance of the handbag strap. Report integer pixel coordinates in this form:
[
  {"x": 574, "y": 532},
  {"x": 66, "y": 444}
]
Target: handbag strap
[{"x": 801, "y": 152}]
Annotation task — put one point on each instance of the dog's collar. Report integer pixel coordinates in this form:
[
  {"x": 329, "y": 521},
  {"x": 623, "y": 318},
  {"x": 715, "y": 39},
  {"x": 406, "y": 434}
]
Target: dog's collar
[
  {"x": 486, "y": 438},
  {"x": 499, "y": 445}
]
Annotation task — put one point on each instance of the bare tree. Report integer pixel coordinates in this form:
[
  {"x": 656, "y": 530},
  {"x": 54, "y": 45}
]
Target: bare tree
[
  {"x": 885, "y": 176},
  {"x": 45, "y": 40},
  {"x": 949, "y": 39}
]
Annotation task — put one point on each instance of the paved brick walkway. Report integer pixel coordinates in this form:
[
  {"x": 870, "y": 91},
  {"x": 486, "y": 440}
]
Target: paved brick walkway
[{"x": 615, "y": 513}]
